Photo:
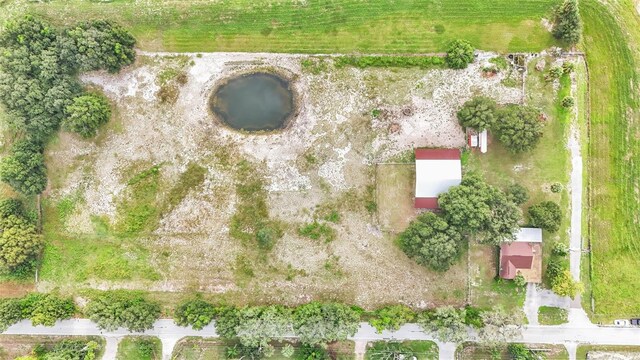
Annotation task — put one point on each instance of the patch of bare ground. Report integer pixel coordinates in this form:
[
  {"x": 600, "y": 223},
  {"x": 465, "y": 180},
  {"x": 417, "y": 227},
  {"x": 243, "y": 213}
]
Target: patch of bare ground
[{"x": 322, "y": 164}]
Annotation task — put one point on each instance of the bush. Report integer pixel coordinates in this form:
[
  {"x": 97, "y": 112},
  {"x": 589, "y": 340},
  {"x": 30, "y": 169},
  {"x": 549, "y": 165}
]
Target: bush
[
  {"x": 554, "y": 73},
  {"x": 20, "y": 244},
  {"x": 86, "y": 113},
  {"x": 423, "y": 62},
  {"x": 546, "y": 215},
  {"x": 567, "y": 26},
  {"x": 567, "y": 67},
  {"x": 554, "y": 268},
  {"x": 313, "y": 352},
  {"x": 556, "y": 187},
  {"x": 520, "y": 352},
  {"x": 473, "y": 317},
  {"x": 567, "y": 102},
  {"x": 478, "y": 113},
  {"x": 565, "y": 285},
  {"x": 197, "y": 313},
  {"x": 519, "y": 128},
  {"x": 287, "y": 351},
  {"x": 517, "y": 194},
  {"x": 72, "y": 350},
  {"x": 560, "y": 249},
  {"x": 431, "y": 242},
  {"x": 24, "y": 168},
  {"x": 519, "y": 280},
  {"x": 10, "y": 313},
  {"x": 459, "y": 54},
  {"x": 114, "y": 309},
  {"x": 46, "y": 309},
  {"x": 10, "y": 207},
  {"x": 391, "y": 318}
]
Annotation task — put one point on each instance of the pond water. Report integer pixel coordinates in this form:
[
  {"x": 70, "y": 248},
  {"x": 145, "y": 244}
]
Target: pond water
[{"x": 254, "y": 102}]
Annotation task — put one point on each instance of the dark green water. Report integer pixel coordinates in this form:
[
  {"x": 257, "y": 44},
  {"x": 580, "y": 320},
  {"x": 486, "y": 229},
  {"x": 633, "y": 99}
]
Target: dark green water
[{"x": 254, "y": 102}]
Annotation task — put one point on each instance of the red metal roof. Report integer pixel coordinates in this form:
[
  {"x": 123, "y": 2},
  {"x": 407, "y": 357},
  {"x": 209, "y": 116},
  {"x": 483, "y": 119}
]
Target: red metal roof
[
  {"x": 426, "y": 203},
  {"x": 514, "y": 256},
  {"x": 437, "y": 154}
]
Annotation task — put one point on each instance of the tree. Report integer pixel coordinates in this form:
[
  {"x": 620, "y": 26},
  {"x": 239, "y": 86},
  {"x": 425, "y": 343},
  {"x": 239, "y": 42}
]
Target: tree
[
  {"x": 114, "y": 309},
  {"x": 86, "y": 113},
  {"x": 227, "y": 319},
  {"x": 391, "y": 317},
  {"x": 19, "y": 243},
  {"x": 316, "y": 323},
  {"x": 261, "y": 324},
  {"x": 517, "y": 194},
  {"x": 519, "y": 128},
  {"x": 10, "y": 313},
  {"x": 478, "y": 113},
  {"x": 24, "y": 168},
  {"x": 519, "y": 280},
  {"x": 499, "y": 327},
  {"x": 567, "y": 25},
  {"x": 72, "y": 350},
  {"x": 46, "y": 309},
  {"x": 446, "y": 323},
  {"x": 476, "y": 208},
  {"x": 97, "y": 45},
  {"x": 546, "y": 215},
  {"x": 430, "y": 241},
  {"x": 196, "y": 312},
  {"x": 459, "y": 54},
  {"x": 564, "y": 285}
]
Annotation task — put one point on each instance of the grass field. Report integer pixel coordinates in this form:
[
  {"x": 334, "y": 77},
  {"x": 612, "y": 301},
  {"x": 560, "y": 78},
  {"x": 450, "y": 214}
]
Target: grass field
[
  {"x": 548, "y": 315},
  {"x": 614, "y": 151},
  {"x": 422, "y": 350},
  {"x": 395, "y": 186},
  {"x": 583, "y": 350},
  {"x": 472, "y": 351},
  {"x": 372, "y": 26},
  {"x": 139, "y": 348}
]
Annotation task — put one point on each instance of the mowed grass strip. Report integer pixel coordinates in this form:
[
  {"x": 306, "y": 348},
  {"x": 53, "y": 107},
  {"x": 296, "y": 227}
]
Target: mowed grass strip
[
  {"x": 614, "y": 159},
  {"x": 343, "y": 26}
]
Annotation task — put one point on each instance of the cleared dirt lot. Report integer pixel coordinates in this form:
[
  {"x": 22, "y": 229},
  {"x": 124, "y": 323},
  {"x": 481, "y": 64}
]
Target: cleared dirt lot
[{"x": 125, "y": 211}]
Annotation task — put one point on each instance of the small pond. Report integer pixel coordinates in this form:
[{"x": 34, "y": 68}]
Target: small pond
[{"x": 254, "y": 102}]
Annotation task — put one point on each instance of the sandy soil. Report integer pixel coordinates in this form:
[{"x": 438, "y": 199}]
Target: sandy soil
[{"x": 334, "y": 124}]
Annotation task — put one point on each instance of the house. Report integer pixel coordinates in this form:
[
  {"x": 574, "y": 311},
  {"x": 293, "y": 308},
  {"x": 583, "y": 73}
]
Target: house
[
  {"x": 523, "y": 255},
  {"x": 436, "y": 171},
  {"x": 477, "y": 140}
]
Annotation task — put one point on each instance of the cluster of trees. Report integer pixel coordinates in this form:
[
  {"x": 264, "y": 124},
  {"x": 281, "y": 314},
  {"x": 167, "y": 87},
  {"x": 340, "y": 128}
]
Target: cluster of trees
[
  {"x": 473, "y": 209},
  {"x": 39, "y": 89},
  {"x": 558, "y": 274},
  {"x": 20, "y": 243},
  {"x": 115, "y": 309},
  {"x": 41, "y": 309},
  {"x": 519, "y": 128},
  {"x": 66, "y": 349},
  {"x": 567, "y": 25}
]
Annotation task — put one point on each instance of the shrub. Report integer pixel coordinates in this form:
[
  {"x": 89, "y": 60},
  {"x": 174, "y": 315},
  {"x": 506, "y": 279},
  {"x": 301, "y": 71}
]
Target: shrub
[
  {"x": 19, "y": 243},
  {"x": 73, "y": 350},
  {"x": 567, "y": 67},
  {"x": 114, "y": 309},
  {"x": 459, "y": 54},
  {"x": 567, "y": 102},
  {"x": 197, "y": 313},
  {"x": 287, "y": 351},
  {"x": 10, "y": 313},
  {"x": 556, "y": 187},
  {"x": 46, "y": 309},
  {"x": 560, "y": 249},
  {"x": 520, "y": 352},
  {"x": 423, "y": 62},
  {"x": 519, "y": 280},
  {"x": 554, "y": 73},
  {"x": 10, "y": 207},
  {"x": 430, "y": 241},
  {"x": 517, "y": 194},
  {"x": 313, "y": 352},
  {"x": 391, "y": 318},
  {"x": 24, "y": 168},
  {"x": 519, "y": 128},
  {"x": 554, "y": 268},
  {"x": 267, "y": 237},
  {"x": 317, "y": 231},
  {"x": 546, "y": 215},
  {"x": 86, "y": 113},
  {"x": 473, "y": 317},
  {"x": 478, "y": 113},
  {"x": 567, "y": 26},
  {"x": 565, "y": 285}
]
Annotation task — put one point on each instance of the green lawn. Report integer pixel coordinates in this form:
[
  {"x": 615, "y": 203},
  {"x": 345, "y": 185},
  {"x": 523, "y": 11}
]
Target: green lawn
[
  {"x": 473, "y": 351},
  {"x": 344, "y": 26},
  {"x": 139, "y": 348},
  {"x": 548, "y": 315},
  {"x": 614, "y": 167},
  {"x": 422, "y": 350},
  {"x": 583, "y": 350}
]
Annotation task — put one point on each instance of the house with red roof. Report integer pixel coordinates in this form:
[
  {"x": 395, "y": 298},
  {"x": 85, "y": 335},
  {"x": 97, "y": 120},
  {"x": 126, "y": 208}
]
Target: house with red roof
[
  {"x": 436, "y": 171},
  {"x": 523, "y": 256}
]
